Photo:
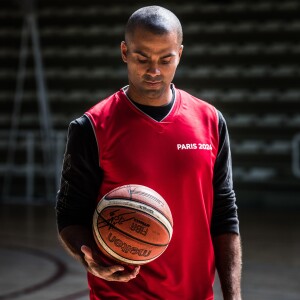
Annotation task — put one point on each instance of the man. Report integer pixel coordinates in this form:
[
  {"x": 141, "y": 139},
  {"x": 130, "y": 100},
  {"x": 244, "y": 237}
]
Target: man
[{"x": 153, "y": 134}]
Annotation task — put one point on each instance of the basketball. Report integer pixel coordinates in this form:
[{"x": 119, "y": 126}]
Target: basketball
[{"x": 132, "y": 224}]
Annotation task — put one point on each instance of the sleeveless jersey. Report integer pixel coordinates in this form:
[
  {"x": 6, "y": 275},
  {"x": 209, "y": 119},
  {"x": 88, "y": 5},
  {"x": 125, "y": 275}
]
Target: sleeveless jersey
[{"x": 176, "y": 158}]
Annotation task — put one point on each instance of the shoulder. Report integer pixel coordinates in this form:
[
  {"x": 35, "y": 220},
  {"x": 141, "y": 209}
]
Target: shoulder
[
  {"x": 80, "y": 124},
  {"x": 196, "y": 103},
  {"x": 81, "y": 138},
  {"x": 221, "y": 119},
  {"x": 106, "y": 104},
  {"x": 105, "y": 109},
  {"x": 80, "y": 130}
]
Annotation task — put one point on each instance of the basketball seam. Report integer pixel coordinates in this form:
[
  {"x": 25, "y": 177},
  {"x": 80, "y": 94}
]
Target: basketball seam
[
  {"x": 134, "y": 237},
  {"x": 137, "y": 201},
  {"x": 146, "y": 205}
]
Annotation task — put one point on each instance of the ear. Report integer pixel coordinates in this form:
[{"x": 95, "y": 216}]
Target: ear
[
  {"x": 179, "y": 54},
  {"x": 180, "y": 51},
  {"x": 124, "y": 51}
]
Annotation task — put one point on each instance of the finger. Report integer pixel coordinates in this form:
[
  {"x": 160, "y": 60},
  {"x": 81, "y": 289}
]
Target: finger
[
  {"x": 126, "y": 276},
  {"x": 87, "y": 252},
  {"x": 136, "y": 271},
  {"x": 113, "y": 269}
]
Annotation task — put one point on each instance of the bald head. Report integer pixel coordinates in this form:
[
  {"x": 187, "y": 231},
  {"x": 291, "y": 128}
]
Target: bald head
[{"x": 155, "y": 19}]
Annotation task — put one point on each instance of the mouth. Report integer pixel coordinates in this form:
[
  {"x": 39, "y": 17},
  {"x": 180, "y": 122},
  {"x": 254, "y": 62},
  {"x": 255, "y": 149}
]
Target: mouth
[{"x": 153, "y": 83}]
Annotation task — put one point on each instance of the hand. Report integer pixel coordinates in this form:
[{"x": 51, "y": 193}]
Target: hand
[{"x": 111, "y": 273}]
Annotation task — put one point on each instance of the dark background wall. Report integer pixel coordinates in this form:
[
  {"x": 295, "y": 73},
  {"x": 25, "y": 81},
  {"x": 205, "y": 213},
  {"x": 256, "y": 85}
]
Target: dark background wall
[{"x": 241, "y": 56}]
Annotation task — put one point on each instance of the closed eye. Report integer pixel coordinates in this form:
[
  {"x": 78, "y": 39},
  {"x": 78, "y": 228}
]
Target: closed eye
[
  {"x": 165, "y": 62},
  {"x": 142, "y": 61}
]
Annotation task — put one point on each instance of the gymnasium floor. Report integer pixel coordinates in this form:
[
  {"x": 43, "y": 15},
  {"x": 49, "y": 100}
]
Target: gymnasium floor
[{"x": 33, "y": 266}]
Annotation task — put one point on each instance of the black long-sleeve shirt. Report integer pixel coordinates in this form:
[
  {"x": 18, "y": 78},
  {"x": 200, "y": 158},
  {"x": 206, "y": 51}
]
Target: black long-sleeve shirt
[{"x": 81, "y": 177}]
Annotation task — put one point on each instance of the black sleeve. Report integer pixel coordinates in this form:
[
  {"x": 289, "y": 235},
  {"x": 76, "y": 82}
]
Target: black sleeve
[
  {"x": 225, "y": 217},
  {"x": 81, "y": 176}
]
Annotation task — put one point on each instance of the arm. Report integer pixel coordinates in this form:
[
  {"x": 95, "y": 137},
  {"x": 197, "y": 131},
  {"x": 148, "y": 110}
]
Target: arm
[
  {"x": 228, "y": 259},
  {"x": 225, "y": 223},
  {"x": 76, "y": 201}
]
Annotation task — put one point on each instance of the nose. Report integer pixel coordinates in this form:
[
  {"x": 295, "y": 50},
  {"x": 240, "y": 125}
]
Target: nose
[{"x": 153, "y": 69}]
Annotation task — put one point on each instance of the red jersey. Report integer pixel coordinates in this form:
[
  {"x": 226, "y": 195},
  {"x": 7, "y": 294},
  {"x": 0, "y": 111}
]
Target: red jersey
[{"x": 176, "y": 158}]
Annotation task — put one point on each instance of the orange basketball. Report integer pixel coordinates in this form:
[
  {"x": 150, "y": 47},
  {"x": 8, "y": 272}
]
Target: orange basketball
[{"x": 132, "y": 224}]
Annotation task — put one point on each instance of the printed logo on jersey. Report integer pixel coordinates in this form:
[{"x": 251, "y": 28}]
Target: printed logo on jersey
[{"x": 194, "y": 146}]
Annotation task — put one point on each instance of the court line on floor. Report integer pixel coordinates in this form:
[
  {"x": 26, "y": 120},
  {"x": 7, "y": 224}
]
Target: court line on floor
[
  {"x": 74, "y": 295},
  {"x": 60, "y": 271}
]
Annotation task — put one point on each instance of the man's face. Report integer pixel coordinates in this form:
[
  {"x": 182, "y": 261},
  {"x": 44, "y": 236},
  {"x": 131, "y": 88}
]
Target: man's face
[{"x": 151, "y": 62}]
